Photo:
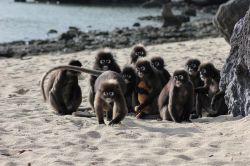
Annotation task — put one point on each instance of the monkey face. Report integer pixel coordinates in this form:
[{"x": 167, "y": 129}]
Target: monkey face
[
  {"x": 157, "y": 62},
  {"x": 207, "y": 70},
  {"x": 143, "y": 68},
  {"x": 129, "y": 74},
  {"x": 104, "y": 60},
  {"x": 193, "y": 66},
  {"x": 180, "y": 77},
  {"x": 108, "y": 96},
  {"x": 204, "y": 74},
  {"x": 138, "y": 51}
]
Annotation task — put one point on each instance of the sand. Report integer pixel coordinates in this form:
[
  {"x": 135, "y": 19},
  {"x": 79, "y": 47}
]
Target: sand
[{"x": 31, "y": 133}]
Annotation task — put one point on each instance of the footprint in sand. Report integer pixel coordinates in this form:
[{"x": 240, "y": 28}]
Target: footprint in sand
[{"x": 22, "y": 91}]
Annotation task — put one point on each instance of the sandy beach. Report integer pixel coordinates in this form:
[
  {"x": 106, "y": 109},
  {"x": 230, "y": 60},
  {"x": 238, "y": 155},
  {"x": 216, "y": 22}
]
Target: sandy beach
[{"x": 30, "y": 132}]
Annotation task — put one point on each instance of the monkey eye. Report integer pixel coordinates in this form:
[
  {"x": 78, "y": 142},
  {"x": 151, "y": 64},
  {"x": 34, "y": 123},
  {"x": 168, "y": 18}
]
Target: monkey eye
[
  {"x": 142, "y": 53},
  {"x": 129, "y": 76},
  {"x": 102, "y": 61},
  {"x": 181, "y": 77},
  {"x": 111, "y": 94},
  {"x": 105, "y": 94},
  {"x": 175, "y": 77},
  {"x": 204, "y": 71},
  {"x": 194, "y": 66},
  {"x": 142, "y": 68},
  {"x": 157, "y": 64},
  {"x": 108, "y": 61}
]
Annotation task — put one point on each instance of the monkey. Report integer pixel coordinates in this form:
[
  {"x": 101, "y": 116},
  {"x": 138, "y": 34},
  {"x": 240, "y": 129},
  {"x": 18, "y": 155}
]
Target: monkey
[
  {"x": 192, "y": 66},
  {"x": 104, "y": 61},
  {"x": 175, "y": 101},
  {"x": 137, "y": 52},
  {"x": 110, "y": 88},
  {"x": 148, "y": 89},
  {"x": 63, "y": 92},
  {"x": 111, "y": 84},
  {"x": 131, "y": 80},
  {"x": 158, "y": 63},
  {"x": 209, "y": 97}
]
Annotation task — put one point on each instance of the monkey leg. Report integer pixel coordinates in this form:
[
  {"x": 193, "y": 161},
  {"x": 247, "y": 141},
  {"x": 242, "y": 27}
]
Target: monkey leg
[
  {"x": 58, "y": 106},
  {"x": 91, "y": 98},
  {"x": 164, "y": 113},
  {"x": 98, "y": 107},
  {"x": 219, "y": 108},
  {"x": 109, "y": 112},
  {"x": 202, "y": 102}
]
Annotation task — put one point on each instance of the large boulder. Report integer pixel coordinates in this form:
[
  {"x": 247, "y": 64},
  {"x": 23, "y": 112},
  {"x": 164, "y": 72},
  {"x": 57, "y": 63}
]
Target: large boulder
[
  {"x": 228, "y": 14},
  {"x": 235, "y": 75}
]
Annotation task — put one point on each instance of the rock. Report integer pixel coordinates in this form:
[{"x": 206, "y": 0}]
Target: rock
[
  {"x": 169, "y": 18},
  {"x": 189, "y": 11},
  {"x": 228, "y": 14},
  {"x": 20, "y": 1},
  {"x": 153, "y": 3},
  {"x": 137, "y": 24},
  {"x": 205, "y": 2},
  {"x": 235, "y": 75},
  {"x": 52, "y": 31}
]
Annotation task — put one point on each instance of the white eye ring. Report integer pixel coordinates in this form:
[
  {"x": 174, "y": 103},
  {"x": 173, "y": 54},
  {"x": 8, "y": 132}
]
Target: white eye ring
[
  {"x": 181, "y": 77},
  {"x": 111, "y": 93},
  {"x": 157, "y": 64},
  {"x": 143, "y": 68},
  {"x": 204, "y": 71},
  {"x": 102, "y": 61},
  {"x": 105, "y": 93},
  {"x": 129, "y": 76},
  {"x": 108, "y": 61}
]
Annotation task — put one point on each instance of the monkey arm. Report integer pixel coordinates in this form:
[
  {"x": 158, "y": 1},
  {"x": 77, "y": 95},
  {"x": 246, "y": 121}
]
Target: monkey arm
[
  {"x": 172, "y": 110},
  {"x": 216, "y": 97},
  {"x": 203, "y": 89},
  {"x": 150, "y": 99}
]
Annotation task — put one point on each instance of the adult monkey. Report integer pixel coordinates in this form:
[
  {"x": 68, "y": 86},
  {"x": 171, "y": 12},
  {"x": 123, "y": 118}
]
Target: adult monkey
[
  {"x": 104, "y": 61},
  {"x": 63, "y": 92},
  {"x": 175, "y": 101},
  {"x": 109, "y": 88},
  {"x": 209, "y": 97},
  {"x": 148, "y": 88},
  {"x": 137, "y": 52}
]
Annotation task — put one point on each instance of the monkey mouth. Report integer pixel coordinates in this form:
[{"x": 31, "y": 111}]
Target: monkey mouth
[
  {"x": 140, "y": 74},
  {"x": 178, "y": 83},
  {"x": 105, "y": 68},
  {"x": 126, "y": 81},
  {"x": 109, "y": 100}
]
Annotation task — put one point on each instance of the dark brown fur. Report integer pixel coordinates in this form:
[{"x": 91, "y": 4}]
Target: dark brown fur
[
  {"x": 131, "y": 79},
  {"x": 159, "y": 65},
  {"x": 209, "y": 97},
  {"x": 176, "y": 98},
  {"x": 63, "y": 91},
  {"x": 114, "y": 105},
  {"x": 137, "y": 52},
  {"x": 104, "y": 61},
  {"x": 148, "y": 88},
  {"x": 192, "y": 67}
]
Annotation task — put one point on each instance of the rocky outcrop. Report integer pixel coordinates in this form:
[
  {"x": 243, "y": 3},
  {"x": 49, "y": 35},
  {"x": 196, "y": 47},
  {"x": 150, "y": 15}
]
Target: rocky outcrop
[
  {"x": 95, "y": 1},
  {"x": 228, "y": 14},
  {"x": 205, "y": 2},
  {"x": 75, "y": 40},
  {"x": 235, "y": 75}
]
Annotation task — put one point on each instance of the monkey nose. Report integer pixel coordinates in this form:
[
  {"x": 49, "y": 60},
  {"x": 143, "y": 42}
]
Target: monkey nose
[{"x": 109, "y": 100}]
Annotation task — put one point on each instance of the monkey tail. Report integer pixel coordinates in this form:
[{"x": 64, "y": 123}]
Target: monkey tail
[{"x": 67, "y": 67}]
